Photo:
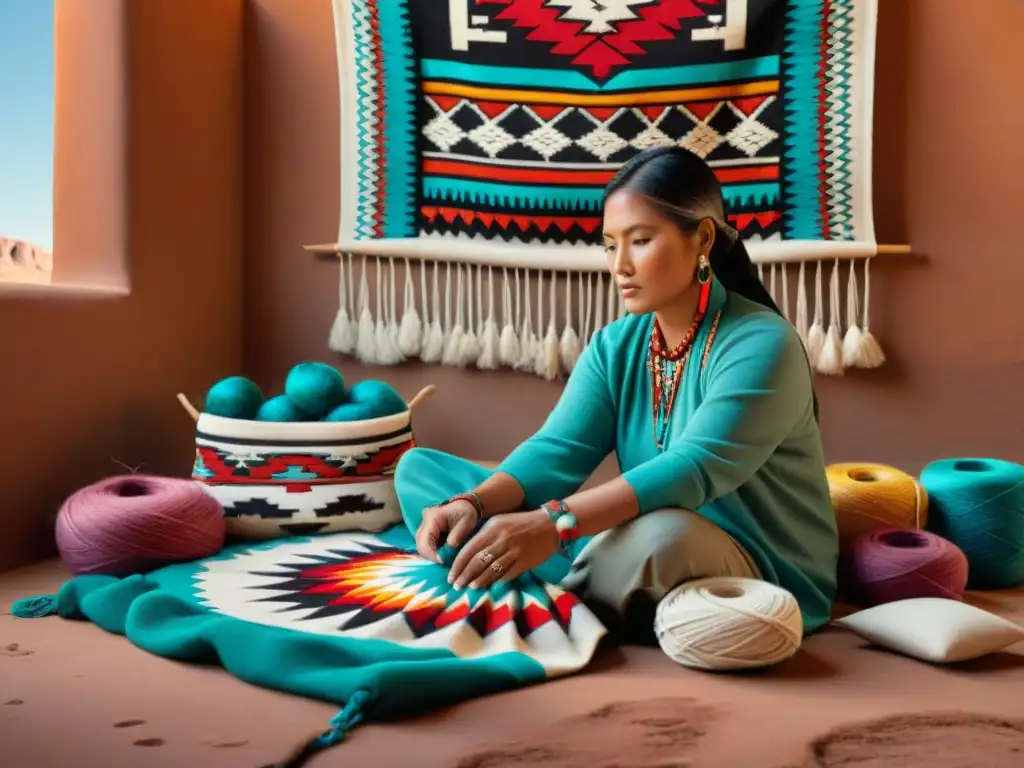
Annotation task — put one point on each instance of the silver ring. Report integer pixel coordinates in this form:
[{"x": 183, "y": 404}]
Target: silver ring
[
  {"x": 486, "y": 557},
  {"x": 497, "y": 567}
]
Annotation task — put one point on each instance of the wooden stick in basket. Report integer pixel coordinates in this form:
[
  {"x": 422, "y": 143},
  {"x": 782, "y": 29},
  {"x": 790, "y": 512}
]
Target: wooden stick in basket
[
  {"x": 190, "y": 409},
  {"x": 420, "y": 398}
]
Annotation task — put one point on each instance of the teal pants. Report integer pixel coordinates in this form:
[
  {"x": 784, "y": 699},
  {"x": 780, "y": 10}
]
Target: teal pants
[{"x": 644, "y": 558}]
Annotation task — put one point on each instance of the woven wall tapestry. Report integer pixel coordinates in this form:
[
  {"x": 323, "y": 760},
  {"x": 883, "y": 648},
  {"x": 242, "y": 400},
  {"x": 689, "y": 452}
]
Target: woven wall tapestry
[{"x": 477, "y": 137}]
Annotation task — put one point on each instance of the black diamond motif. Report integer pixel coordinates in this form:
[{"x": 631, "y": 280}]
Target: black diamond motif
[
  {"x": 518, "y": 122},
  {"x": 467, "y": 147},
  {"x": 676, "y": 123},
  {"x": 519, "y": 151},
  {"x": 575, "y": 125},
  {"x": 623, "y": 155},
  {"x": 466, "y": 118},
  {"x": 574, "y": 153},
  {"x": 628, "y": 125},
  {"x": 726, "y": 151},
  {"x": 725, "y": 120}
]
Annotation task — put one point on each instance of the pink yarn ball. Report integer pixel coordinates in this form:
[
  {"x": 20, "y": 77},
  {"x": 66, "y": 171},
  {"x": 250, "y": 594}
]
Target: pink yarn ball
[
  {"x": 136, "y": 523},
  {"x": 892, "y": 564}
]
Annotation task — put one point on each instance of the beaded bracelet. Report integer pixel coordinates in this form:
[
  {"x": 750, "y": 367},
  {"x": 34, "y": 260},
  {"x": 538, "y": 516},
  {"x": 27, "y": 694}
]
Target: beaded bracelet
[
  {"x": 469, "y": 496},
  {"x": 566, "y": 524}
]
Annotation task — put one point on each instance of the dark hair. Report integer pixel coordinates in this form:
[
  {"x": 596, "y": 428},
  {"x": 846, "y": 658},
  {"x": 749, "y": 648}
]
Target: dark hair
[{"x": 685, "y": 189}]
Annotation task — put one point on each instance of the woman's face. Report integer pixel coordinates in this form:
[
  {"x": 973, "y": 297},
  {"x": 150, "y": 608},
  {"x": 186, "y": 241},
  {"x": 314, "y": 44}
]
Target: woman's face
[{"x": 651, "y": 260}]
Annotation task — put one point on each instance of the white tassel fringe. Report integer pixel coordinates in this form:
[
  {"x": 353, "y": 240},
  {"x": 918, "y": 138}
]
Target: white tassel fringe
[
  {"x": 548, "y": 363},
  {"x": 816, "y": 333},
  {"x": 386, "y": 330},
  {"x": 853, "y": 338},
  {"x": 508, "y": 346},
  {"x": 366, "y": 347},
  {"x": 410, "y": 334},
  {"x": 547, "y": 340},
  {"x": 469, "y": 347},
  {"x": 871, "y": 354},
  {"x": 569, "y": 344},
  {"x": 527, "y": 338},
  {"x": 344, "y": 331},
  {"x": 490, "y": 337},
  {"x": 433, "y": 338},
  {"x": 452, "y": 354}
]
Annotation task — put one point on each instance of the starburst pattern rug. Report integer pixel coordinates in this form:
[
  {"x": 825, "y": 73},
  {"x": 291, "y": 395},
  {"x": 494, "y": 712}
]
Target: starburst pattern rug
[{"x": 352, "y": 618}]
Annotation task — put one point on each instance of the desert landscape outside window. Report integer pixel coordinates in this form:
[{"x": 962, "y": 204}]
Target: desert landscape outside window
[{"x": 26, "y": 140}]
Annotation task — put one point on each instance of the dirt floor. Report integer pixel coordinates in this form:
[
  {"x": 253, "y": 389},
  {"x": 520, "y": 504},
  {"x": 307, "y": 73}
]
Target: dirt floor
[{"x": 72, "y": 695}]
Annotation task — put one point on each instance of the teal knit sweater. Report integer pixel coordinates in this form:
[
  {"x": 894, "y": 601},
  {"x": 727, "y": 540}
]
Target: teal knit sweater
[{"x": 742, "y": 448}]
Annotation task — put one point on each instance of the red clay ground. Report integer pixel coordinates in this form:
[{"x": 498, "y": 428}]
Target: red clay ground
[{"x": 72, "y": 695}]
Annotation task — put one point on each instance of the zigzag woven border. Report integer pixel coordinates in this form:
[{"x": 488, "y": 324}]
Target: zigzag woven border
[
  {"x": 368, "y": 158},
  {"x": 399, "y": 130},
  {"x": 839, "y": 125},
  {"x": 802, "y": 87},
  {"x": 445, "y": 191}
]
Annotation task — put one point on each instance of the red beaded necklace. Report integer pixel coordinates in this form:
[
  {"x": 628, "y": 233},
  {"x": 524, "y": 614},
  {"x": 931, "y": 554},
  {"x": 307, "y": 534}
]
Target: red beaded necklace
[{"x": 658, "y": 355}]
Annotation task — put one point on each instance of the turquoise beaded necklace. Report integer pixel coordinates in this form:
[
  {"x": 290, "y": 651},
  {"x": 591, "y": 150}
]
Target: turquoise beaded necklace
[{"x": 667, "y": 367}]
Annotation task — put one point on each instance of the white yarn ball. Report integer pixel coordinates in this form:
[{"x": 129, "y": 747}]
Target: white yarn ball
[{"x": 728, "y": 623}]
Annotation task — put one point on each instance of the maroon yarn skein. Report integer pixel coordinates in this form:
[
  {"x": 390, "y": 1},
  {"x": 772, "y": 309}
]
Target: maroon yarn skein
[{"x": 891, "y": 564}]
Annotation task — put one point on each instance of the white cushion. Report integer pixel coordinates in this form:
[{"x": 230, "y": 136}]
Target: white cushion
[{"x": 934, "y": 629}]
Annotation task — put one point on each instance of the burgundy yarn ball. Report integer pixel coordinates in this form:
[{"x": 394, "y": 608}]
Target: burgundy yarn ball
[
  {"x": 892, "y": 564},
  {"x": 136, "y": 523}
]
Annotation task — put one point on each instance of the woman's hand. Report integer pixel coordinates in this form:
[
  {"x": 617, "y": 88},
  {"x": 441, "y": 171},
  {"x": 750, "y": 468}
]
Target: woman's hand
[
  {"x": 505, "y": 548},
  {"x": 456, "y": 520}
]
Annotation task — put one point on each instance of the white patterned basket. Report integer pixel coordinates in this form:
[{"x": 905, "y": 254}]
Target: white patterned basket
[{"x": 302, "y": 478}]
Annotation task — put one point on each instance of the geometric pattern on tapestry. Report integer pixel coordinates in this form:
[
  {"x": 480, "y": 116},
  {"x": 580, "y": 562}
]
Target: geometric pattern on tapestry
[{"x": 523, "y": 144}]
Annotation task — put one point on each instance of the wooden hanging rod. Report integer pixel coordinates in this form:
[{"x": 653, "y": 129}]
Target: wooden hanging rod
[
  {"x": 558, "y": 258},
  {"x": 882, "y": 250}
]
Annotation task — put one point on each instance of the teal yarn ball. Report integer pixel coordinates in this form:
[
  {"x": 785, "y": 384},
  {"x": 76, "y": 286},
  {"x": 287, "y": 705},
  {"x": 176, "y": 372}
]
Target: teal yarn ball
[
  {"x": 316, "y": 388},
  {"x": 235, "y": 397},
  {"x": 351, "y": 412},
  {"x": 447, "y": 554},
  {"x": 978, "y": 504},
  {"x": 379, "y": 395},
  {"x": 281, "y": 409}
]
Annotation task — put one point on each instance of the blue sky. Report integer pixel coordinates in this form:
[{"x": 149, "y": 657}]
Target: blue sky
[{"x": 26, "y": 130}]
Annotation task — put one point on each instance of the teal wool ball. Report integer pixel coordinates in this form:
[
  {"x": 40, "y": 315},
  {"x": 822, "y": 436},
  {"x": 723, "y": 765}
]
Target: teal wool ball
[
  {"x": 447, "y": 554},
  {"x": 379, "y": 395},
  {"x": 316, "y": 388},
  {"x": 351, "y": 412},
  {"x": 281, "y": 408},
  {"x": 978, "y": 504},
  {"x": 235, "y": 397}
]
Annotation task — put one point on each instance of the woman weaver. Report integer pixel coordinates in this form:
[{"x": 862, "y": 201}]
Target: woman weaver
[{"x": 704, "y": 393}]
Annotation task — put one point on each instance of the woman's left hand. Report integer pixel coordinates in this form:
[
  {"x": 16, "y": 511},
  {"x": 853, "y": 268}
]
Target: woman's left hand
[{"x": 505, "y": 548}]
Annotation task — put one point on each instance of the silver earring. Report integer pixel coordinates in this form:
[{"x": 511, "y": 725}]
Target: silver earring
[{"x": 703, "y": 270}]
